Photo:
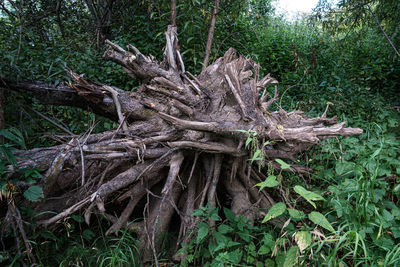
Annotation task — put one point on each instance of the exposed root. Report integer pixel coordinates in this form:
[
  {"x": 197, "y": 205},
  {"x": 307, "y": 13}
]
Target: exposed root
[
  {"x": 14, "y": 220},
  {"x": 193, "y": 126},
  {"x": 241, "y": 204}
]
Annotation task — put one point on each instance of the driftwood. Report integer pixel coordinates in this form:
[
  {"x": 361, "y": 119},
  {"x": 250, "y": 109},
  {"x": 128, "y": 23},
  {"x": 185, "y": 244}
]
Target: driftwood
[{"x": 181, "y": 137}]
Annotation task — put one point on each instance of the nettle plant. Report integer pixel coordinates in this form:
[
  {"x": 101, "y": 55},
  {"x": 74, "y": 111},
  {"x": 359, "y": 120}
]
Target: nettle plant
[
  {"x": 28, "y": 176},
  {"x": 233, "y": 242},
  {"x": 304, "y": 238},
  {"x": 272, "y": 180},
  {"x": 236, "y": 241}
]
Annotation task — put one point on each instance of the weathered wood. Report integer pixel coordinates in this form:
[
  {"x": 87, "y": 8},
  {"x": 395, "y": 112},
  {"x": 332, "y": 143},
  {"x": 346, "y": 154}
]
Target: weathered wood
[{"x": 180, "y": 132}]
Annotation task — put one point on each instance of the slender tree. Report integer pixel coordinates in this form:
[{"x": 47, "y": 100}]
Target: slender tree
[{"x": 211, "y": 34}]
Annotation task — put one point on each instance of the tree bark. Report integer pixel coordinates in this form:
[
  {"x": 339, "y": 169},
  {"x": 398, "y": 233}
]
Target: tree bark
[
  {"x": 210, "y": 34},
  {"x": 173, "y": 13}
]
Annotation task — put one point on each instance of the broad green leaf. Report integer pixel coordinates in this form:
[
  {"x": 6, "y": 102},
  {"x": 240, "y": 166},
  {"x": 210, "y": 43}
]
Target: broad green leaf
[
  {"x": 296, "y": 214},
  {"x": 232, "y": 244},
  {"x": 291, "y": 257},
  {"x": 269, "y": 182},
  {"x": 303, "y": 240},
  {"x": 342, "y": 168},
  {"x": 268, "y": 241},
  {"x": 396, "y": 189},
  {"x": 269, "y": 263},
  {"x": 77, "y": 218},
  {"x": 308, "y": 195},
  {"x": 235, "y": 256},
  {"x": 230, "y": 215},
  {"x": 198, "y": 213},
  {"x": 283, "y": 164},
  {"x": 34, "y": 193},
  {"x": 214, "y": 247},
  {"x": 220, "y": 238},
  {"x": 263, "y": 250},
  {"x": 215, "y": 217},
  {"x": 88, "y": 234},
  {"x": 320, "y": 220},
  {"x": 203, "y": 232},
  {"x": 387, "y": 216},
  {"x": 223, "y": 229},
  {"x": 395, "y": 231},
  {"x": 275, "y": 211},
  {"x": 255, "y": 156},
  {"x": 245, "y": 236}
]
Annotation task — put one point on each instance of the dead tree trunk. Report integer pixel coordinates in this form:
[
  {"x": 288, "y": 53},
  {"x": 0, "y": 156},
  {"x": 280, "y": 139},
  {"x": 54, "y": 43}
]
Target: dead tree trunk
[{"x": 180, "y": 137}]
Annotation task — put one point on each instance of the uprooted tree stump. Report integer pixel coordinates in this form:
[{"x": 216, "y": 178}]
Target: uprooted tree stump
[{"x": 180, "y": 137}]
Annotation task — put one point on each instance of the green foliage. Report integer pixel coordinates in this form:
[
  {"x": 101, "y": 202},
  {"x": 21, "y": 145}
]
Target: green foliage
[
  {"x": 34, "y": 193},
  {"x": 276, "y": 210},
  {"x": 354, "y": 193},
  {"x": 320, "y": 220},
  {"x": 269, "y": 182},
  {"x": 79, "y": 245},
  {"x": 361, "y": 175},
  {"x": 234, "y": 241},
  {"x": 308, "y": 195},
  {"x": 30, "y": 176}
]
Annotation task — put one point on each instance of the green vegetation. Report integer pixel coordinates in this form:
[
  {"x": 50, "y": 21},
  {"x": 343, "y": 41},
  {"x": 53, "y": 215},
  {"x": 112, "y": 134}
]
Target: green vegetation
[{"x": 346, "y": 213}]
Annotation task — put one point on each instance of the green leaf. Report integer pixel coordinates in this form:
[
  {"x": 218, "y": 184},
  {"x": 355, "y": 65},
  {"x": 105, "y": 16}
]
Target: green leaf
[
  {"x": 303, "y": 240},
  {"x": 387, "y": 216},
  {"x": 223, "y": 229},
  {"x": 264, "y": 249},
  {"x": 6, "y": 151},
  {"x": 255, "y": 156},
  {"x": 275, "y": 211},
  {"x": 88, "y": 234},
  {"x": 395, "y": 231},
  {"x": 308, "y": 195},
  {"x": 296, "y": 214},
  {"x": 215, "y": 217},
  {"x": 221, "y": 239},
  {"x": 230, "y": 215},
  {"x": 248, "y": 140},
  {"x": 77, "y": 218},
  {"x": 268, "y": 241},
  {"x": 283, "y": 164},
  {"x": 34, "y": 193},
  {"x": 14, "y": 135},
  {"x": 269, "y": 182},
  {"x": 203, "y": 232},
  {"x": 320, "y": 220},
  {"x": 198, "y": 213},
  {"x": 344, "y": 168},
  {"x": 269, "y": 263},
  {"x": 245, "y": 236},
  {"x": 235, "y": 256},
  {"x": 291, "y": 257},
  {"x": 48, "y": 235},
  {"x": 232, "y": 244}
]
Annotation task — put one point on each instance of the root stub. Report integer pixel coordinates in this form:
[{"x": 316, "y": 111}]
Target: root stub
[{"x": 180, "y": 144}]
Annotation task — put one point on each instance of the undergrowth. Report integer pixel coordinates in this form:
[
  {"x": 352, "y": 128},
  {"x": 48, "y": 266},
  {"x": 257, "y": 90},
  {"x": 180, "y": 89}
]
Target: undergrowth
[{"x": 347, "y": 213}]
